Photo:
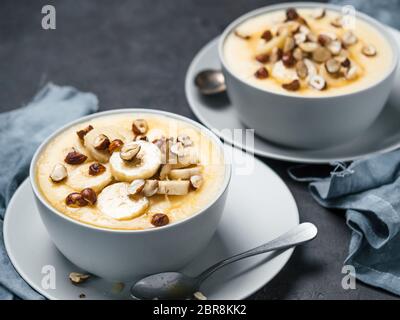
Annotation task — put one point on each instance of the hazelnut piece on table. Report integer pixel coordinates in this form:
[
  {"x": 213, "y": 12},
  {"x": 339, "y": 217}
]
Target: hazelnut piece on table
[{"x": 77, "y": 278}]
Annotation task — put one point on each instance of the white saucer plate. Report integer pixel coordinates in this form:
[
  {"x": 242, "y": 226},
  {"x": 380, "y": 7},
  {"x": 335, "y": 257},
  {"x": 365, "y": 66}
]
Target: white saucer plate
[
  {"x": 217, "y": 113},
  {"x": 250, "y": 219}
]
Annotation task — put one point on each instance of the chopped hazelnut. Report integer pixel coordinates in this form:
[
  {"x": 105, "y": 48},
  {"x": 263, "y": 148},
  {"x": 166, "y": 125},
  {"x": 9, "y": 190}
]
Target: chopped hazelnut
[
  {"x": 292, "y": 86},
  {"x": 75, "y": 200},
  {"x": 101, "y": 142},
  {"x": 346, "y": 63},
  {"x": 288, "y": 60},
  {"x": 77, "y": 278},
  {"x": 159, "y": 219},
  {"x": 196, "y": 181},
  {"x": 129, "y": 151},
  {"x": 301, "y": 69},
  {"x": 96, "y": 168},
  {"x": 89, "y": 195},
  {"x": 337, "y": 22},
  {"x": 317, "y": 82},
  {"x": 150, "y": 188},
  {"x": 75, "y": 157},
  {"x": 321, "y": 54},
  {"x": 335, "y": 47},
  {"x": 139, "y": 126},
  {"x": 291, "y": 14},
  {"x": 349, "y": 38},
  {"x": 262, "y": 58},
  {"x": 267, "y": 35},
  {"x": 369, "y": 50},
  {"x": 115, "y": 145},
  {"x": 332, "y": 66},
  {"x": 59, "y": 173},
  {"x": 82, "y": 133},
  {"x": 324, "y": 39},
  {"x": 136, "y": 186},
  {"x": 261, "y": 73}
]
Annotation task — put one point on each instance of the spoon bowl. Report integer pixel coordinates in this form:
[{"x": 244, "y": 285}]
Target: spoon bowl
[
  {"x": 175, "y": 285},
  {"x": 210, "y": 81}
]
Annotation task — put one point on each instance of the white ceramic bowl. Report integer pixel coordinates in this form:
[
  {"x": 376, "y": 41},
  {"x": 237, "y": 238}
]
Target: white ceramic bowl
[
  {"x": 129, "y": 254},
  {"x": 307, "y": 122}
]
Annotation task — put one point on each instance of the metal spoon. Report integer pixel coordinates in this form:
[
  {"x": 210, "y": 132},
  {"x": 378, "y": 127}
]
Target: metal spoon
[
  {"x": 210, "y": 81},
  {"x": 175, "y": 285}
]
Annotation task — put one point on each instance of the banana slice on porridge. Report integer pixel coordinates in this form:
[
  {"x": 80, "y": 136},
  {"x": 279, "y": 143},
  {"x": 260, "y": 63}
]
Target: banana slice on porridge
[
  {"x": 92, "y": 175},
  {"x": 116, "y": 202},
  {"x": 97, "y": 141},
  {"x": 136, "y": 160}
]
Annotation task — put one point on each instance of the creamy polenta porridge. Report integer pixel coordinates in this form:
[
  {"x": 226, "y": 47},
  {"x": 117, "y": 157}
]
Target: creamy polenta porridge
[
  {"x": 131, "y": 171},
  {"x": 311, "y": 52}
]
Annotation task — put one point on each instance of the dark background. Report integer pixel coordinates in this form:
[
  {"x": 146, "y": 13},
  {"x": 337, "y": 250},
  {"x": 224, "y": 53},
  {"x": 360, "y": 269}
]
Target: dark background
[{"x": 135, "y": 54}]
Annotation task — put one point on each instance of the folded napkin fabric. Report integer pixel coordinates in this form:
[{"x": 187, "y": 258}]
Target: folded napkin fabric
[
  {"x": 21, "y": 132},
  {"x": 369, "y": 191}
]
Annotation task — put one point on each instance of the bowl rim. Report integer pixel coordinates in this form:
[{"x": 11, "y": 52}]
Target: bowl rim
[
  {"x": 308, "y": 5},
  {"x": 40, "y": 148}
]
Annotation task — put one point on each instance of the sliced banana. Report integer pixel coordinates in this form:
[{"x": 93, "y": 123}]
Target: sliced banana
[
  {"x": 173, "y": 187},
  {"x": 115, "y": 202},
  {"x": 89, "y": 142},
  {"x": 79, "y": 178},
  {"x": 184, "y": 174},
  {"x": 146, "y": 167}
]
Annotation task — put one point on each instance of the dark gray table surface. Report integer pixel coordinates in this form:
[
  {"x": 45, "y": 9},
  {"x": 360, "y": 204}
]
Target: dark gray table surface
[{"x": 135, "y": 54}]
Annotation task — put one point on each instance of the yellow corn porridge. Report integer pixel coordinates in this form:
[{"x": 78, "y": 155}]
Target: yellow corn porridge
[
  {"x": 131, "y": 171},
  {"x": 312, "y": 52}
]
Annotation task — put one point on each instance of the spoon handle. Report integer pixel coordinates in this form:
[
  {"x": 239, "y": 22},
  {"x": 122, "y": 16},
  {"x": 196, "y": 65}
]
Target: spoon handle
[{"x": 300, "y": 234}]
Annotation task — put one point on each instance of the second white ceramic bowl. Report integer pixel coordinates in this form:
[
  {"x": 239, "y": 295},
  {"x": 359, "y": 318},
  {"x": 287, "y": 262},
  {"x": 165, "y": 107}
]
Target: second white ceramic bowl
[
  {"x": 307, "y": 122},
  {"x": 123, "y": 255}
]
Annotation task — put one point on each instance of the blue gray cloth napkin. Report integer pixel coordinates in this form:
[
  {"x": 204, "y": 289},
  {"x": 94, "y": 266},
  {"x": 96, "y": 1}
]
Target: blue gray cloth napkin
[
  {"x": 369, "y": 191},
  {"x": 21, "y": 132}
]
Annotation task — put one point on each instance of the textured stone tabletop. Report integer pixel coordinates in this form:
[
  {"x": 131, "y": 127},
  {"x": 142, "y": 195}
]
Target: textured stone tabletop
[{"x": 135, "y": 54}]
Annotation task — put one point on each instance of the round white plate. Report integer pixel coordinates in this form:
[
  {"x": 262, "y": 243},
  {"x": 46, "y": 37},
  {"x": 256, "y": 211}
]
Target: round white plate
[
  {"x": 250, "y": 219},
  {"x": 216, "y": 112}
]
